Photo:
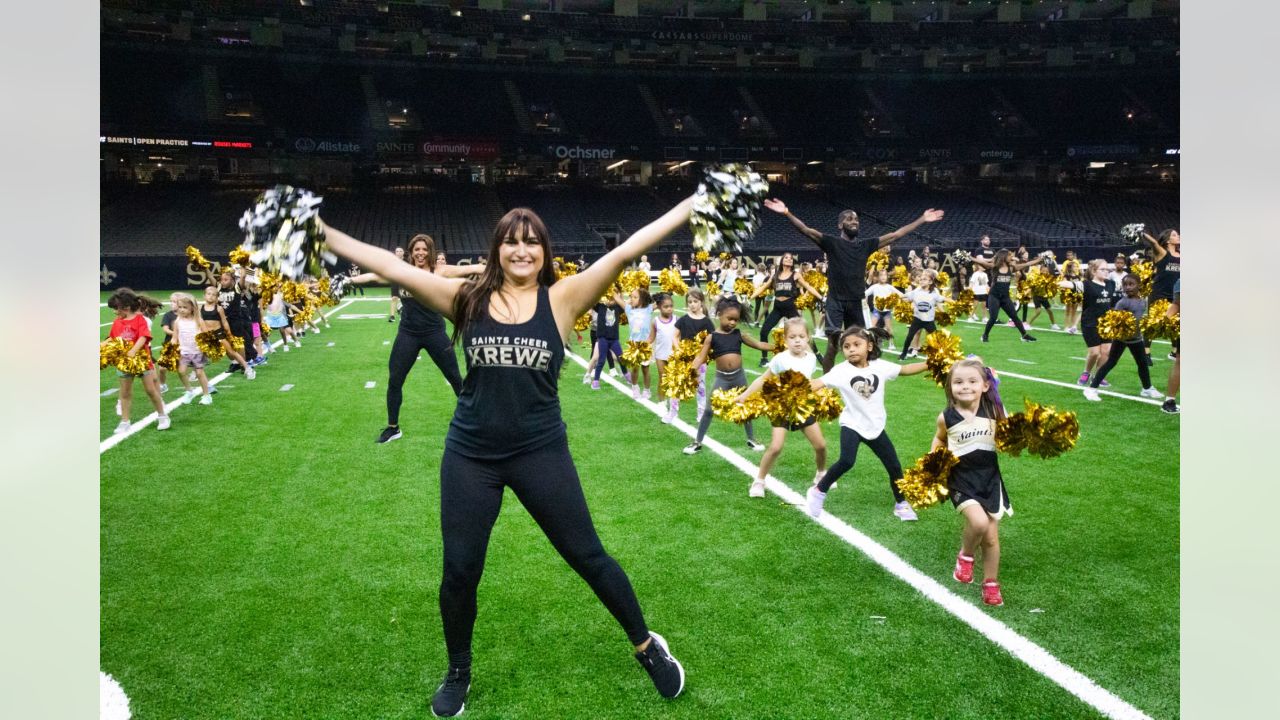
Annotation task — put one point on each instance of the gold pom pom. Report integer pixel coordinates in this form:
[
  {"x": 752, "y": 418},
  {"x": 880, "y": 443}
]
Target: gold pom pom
[
  {"x": 239, "y": 256},
  {"x": 170, "y": 355},
  {"x": 725, "y": 257},
  {"x": 941, "y": 350},
  {"x": 110, "y": 352},
  {"x": 1022, "y": 291},
  {"x": 136, "y": 365},
  {"x": 583, "y": 323},
  {"x": 805, "y": 301},
  {"x": 564, "y": 268},
  {"x": 743, "y": 288},
  {"x": 268, "y": 284},
  {"x": 817, "y": 281},
  {"x": 887, "y": 302},
  {"x": 903, "y": 310},
  {"x": 724, "y": 407},
  {"x": 1145, "y": 272},
  {"x": 670, "y": 281},
  {"x": 237, "y": 343},
  {"x": 878, "y": 260},
  {"x": 778, "y": 338},
  {"x": 208, "y": 343},
  {"x": 689, "y": 348},
  {"x": 928, "y": 481},
  {"x": 713, "y": 289},
  {"x": 1117, "y": 325},
  {"x": 787, "y": 397},
  {"x": 1071, "y": 296},
  {"x": 1040, "y": 283},
  {"x": 295, "y": 293},
  {"x": 702, "y": 256},
  {"x": 266, "y": 329},
  {"x": 900, "y": 278},
  {"x": 637, "y": 353},
  {"x": 1040, "y": 430},
  {"x": 1157, "y": 323},
  {"x": 633, "y": 280},
  {"x": 679, "y": 379},
  {"x": 942, "y": 315},
  {"x": 194, "y": 256},
  {"x": 943, "y": 283},
  {"x": 827, "y": 404}
]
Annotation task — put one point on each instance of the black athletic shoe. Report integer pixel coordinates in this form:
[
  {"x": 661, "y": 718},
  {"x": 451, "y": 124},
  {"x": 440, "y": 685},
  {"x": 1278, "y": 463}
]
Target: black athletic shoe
[
  {"x": 388, "y": 434},
  {"x": 1170, "y": 406},
  {"x": 451, "y": 697},
  {"x": 986, "y": 339},
  {"x": 1028, "y": 338},
  {"x": 666, "y": 672}
]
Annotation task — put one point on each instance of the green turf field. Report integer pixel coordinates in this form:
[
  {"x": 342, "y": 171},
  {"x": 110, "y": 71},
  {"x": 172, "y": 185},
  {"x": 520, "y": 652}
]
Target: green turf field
[{"x": 264, "y": 558}]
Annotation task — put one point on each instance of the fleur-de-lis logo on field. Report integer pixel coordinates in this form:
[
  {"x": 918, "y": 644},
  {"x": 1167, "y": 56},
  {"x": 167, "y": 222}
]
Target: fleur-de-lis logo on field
[{"x": 106, "y": 277}]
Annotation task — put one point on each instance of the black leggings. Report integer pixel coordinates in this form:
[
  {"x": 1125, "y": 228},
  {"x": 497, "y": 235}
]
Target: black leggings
[
  {"x": 546, "y": 484},
  {"x": 996, "y": 303},
  {"x": 403, "y": 355},
  {"x": 881, "y": 445},
  {"x": 779, "y": 311},
  {"x": 916, "y": 326},
  {"x": 724, "y": 381},
  {"x": 1117, "y": 350}
]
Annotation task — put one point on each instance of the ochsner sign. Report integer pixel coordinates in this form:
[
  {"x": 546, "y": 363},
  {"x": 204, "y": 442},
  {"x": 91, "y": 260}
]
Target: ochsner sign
[{"x": 577, "y": 152}]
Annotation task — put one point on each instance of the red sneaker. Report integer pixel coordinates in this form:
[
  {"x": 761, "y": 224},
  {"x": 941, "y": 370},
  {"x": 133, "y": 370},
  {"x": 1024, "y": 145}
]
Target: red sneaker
[
  {"x": 964, "y": 569},
  {"x": 991, "y": 593}
]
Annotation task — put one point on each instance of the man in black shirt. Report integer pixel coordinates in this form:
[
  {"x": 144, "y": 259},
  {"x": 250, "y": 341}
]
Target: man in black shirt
[
  {"x": 847, "y": 269},
  {"x": 984, "y": 248}
]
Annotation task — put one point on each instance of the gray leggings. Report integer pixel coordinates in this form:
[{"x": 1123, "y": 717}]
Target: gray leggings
[{"x": 724, "y": 380}]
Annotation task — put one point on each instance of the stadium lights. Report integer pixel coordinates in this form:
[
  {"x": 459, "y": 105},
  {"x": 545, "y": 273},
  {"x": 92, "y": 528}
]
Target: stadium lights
[
  {"x": 526, "y": 17},
  {"x": 814, "y": 162},
  {"x": 620, "y": 163}
]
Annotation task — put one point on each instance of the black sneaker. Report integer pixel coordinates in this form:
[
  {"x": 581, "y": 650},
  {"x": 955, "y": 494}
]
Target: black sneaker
[
  {"x": 389, "y": 433},
  {"x": 985, "y": 339},
  {"x": 666, "y": 672},
  {"x": 692, "y": 448},
  {"x": 764, "y": 362},
  {"x": 451, "y": 697},
  {"x": 1170, "y": 406},
  {"x": 235, "y": 368},
  {"x": 1028, "y": 338},
  {"x": 391, "y": 318}
]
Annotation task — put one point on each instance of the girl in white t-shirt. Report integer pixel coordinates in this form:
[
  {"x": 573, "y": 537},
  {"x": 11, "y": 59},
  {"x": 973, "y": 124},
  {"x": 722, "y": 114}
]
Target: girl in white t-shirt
[
  {"x": 798, "y": 357},
  {"x": 860, "y": 382},
  {"x": 662, "y": 338},
  {"x": 924, "y": 299},
  {"x": 980, "y": 285},
  {"x": 882, "y": 319}
]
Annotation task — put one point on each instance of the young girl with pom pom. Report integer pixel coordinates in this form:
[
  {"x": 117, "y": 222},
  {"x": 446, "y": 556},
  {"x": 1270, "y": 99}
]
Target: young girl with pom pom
[
  {"x": 185, "y": 328},
  {"x": 725, "y": 347},
  {"x": 924, "y": 299},
  {"x": 695, "y": 321},
  {"x": 1072, "y": 284},
  {"x": 861, "y": 383},
  {"x": 214, "y": 319},
  {"x": 639, "y": 308},
  {"x": 800, "y": 358},
  {"x": 967, "y": 427},
  {"x": 662, "y": 338},
  {"x": 1099, "y": 295},
  {"x": 133, "y": 325},
  {"x": 1137, "y": 305},
  {"x": 881, "y": 288},
  {"x": 606, "y": 334}
]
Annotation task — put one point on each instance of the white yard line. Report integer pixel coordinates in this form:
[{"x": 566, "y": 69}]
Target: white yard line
[
  {"x": 1024, "y": 362},
  {"x": 1035, "y": 657}
]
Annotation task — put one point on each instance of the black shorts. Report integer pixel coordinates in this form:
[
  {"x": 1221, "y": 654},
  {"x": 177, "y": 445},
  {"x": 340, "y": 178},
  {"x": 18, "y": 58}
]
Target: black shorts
[
  {"x": 1042, "y": 302},
  {"x": 841, "y": 314},
  {"x": 793, "y": 426},
  {"x": 1090, "y": 334},
  {"x": 980, "y": 299}
]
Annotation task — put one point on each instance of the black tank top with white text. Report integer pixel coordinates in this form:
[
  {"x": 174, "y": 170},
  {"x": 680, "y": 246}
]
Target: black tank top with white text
[
  {"x": 1000, "y": 281},
  {"x": 1168, "y": 270},
  {"x": 510, "y": 401},
  {"x": 416, "y": 318}
]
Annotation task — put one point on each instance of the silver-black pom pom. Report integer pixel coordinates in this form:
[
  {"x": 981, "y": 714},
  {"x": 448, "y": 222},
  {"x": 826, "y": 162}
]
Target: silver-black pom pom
[
  {"x": 1132, "y": 232},
  {"x": 283, "y": 233},
  {"x": 726, "y": 208}
]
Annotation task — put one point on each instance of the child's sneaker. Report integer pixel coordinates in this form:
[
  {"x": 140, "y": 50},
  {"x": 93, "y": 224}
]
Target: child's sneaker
[
  {"x": 286, "y": 346},
  {"x": 753, "y": 445},
  {"x": 1104, "y": 383},
  {"x": 991, "y": 593},
  {"x": 1054, "y": 327},
  {"x": 645, "y": 395},
  {"x": 814, "y": 498},
  {"x": 249, "y": 373},
  {"x": 613, "y": 372},
  {"x": 162, "y": 423},
  {"x": 206, "y": 400},
  {"x": 902, "y": 510},
  {"x": 692, "y": 448},
  {"x": 1152, "y": 393},
  {"x": 188, "y": 396},
  {"x": 586, "y": 377},
  {"x": 1010, "y": 324},
  {"x": 595, "y": 384},
  {"x": 123, "y": 426},
  {"x": 1084, "y": 379},
  {"x": 1092, "y": 395},
  {"x": 964, "y": 569},
  {"x": 297, "y": 344},
  {"x": 1170, "y": 406},
  {"x": 635, "y": 392},
  {"x": 664, "y": 670},
  {"x": 757, "y": 489},
  {"x": 163, "y": 388}
]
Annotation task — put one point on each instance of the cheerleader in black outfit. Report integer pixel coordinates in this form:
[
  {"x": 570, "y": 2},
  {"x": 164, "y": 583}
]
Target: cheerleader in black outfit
[
  {"x": 787, "y": 285},
  {"x": 968, "y": 429},
  {"x": 507, "y": 429},
  {"x": 1099, "y": 296},
  {"x": 1002, "y": 269},
  {"x": 1166, "y": 255}
]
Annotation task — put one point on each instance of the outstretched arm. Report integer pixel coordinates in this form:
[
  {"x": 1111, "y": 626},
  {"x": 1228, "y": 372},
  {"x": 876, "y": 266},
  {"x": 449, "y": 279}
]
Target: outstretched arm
[
  {"x": 780, "y": 207},
  {"x": 433, "y": 291},
  {"x": 927, "y": 216},
  {"x": 913, "y": 369},
  {"x": 1157, "y": 252},
  {"x": 757, "y": 344},
  {"x": 574, "y": 294}
]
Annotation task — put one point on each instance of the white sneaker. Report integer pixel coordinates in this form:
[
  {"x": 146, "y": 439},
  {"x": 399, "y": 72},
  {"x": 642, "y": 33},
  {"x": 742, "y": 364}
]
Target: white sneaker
[
  {"x": 645, "y": 395},
  {"x": 1092, "y": 394},
  {"x": 586, "y": 378},
  {"x": 162, "y": 423},
  {"x": 1055, "y": 326},
  {"x": 613, "y": 372},
  {"x": 904, "y": 512},
  {"x": 692, "y": 448},
  {"x": 118, "y": 408},
  {"x": 191, "y": 376},
  {"x": 1071, "y": 330},
  {"x": 753, "y": 445},
  {"x": 814, "y": 500},
  {"x": 1152, "y": 393},
  {"x": 249, "y": 373},
  {"x": 188, "y": 396},
  {"x": 206, "y": 400},
  {"x": 635, "y": 392},
  {"x": 757, "y": 489},
  {"x": 316, "y": 331},
  {"x": 123, "y": 426},
  {"x": 297, "y": 344},
  {"x": 285, "y": 346},
  {"x": 163, "y": 388}
]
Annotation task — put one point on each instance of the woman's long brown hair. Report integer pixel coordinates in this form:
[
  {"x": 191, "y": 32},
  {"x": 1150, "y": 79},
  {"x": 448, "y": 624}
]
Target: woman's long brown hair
[
  {"x": 431, "y": 250},
  {"x": 472, "y": 301}
]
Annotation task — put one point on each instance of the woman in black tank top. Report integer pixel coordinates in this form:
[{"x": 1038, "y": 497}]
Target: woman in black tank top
[
  {"x": 1166, "y": 255},
  {"x": 507, "y": 429},
  {"x": 1003, "y": 268},
  {"x": 787, "y": 285}
]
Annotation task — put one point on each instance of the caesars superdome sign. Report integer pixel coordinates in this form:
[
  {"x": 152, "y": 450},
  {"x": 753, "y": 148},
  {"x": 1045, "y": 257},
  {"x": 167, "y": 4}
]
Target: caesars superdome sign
[{"x": 578, "y": 152}]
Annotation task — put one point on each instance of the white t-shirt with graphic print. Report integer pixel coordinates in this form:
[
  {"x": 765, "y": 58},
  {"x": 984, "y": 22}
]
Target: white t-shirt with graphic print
[{"x": 862, "y": 390}]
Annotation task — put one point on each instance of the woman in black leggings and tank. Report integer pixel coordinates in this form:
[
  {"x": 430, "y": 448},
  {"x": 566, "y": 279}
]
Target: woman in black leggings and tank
[
  {"x": 787, "y": 286},
  {"x": 1002, "y": 269},
  {"x": 421, "y": 328},
  {"x": 507, "y": 429}
]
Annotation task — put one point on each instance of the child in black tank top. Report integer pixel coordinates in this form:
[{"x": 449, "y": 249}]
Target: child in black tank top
[{"x": 725, "y": 347}]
